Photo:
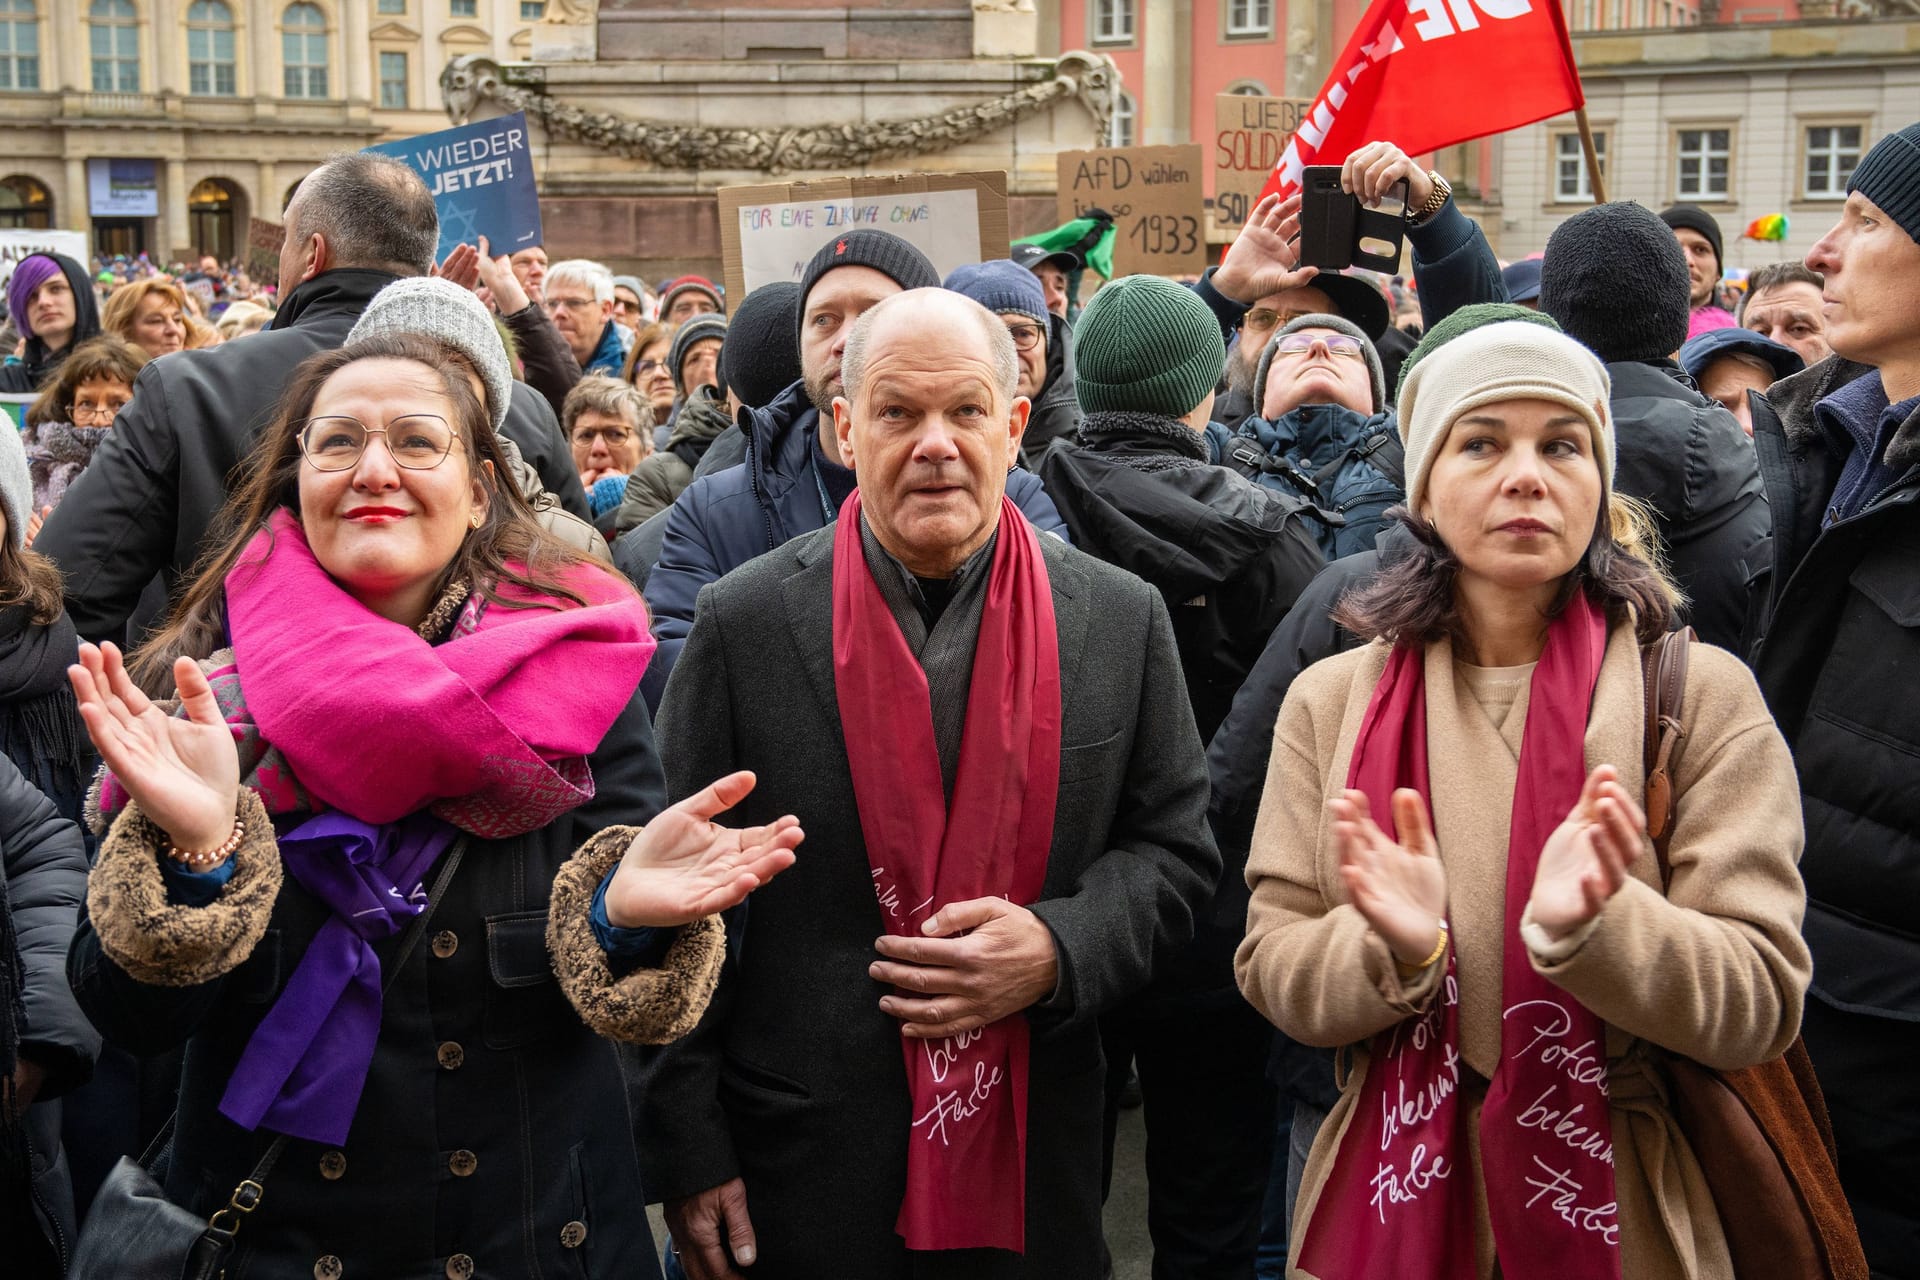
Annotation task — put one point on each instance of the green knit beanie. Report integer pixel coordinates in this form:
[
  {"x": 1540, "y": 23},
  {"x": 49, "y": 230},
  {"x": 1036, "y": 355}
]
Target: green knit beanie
[
  {"x": 1468, "y": 318},
  {"x": 1148, "y": 345}
]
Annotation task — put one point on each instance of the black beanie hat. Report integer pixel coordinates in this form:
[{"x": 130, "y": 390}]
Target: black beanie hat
[
  {"x": 1616, "y": 279},
  {"x": 1890, "y": 177},
  {"x": 761, "y": 356},
  {"x": 1694, "y": 218},
  {"x": 888, "y": 254}
]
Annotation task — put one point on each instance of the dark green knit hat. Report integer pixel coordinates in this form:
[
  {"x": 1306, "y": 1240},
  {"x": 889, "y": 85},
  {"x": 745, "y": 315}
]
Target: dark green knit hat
[
  {"x": 1147, "y": 345},
  {"x": 1466, "y": 318}
]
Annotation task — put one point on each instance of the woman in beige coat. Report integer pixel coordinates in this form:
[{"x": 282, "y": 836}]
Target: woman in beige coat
[{"x": 1507, "y": 976}]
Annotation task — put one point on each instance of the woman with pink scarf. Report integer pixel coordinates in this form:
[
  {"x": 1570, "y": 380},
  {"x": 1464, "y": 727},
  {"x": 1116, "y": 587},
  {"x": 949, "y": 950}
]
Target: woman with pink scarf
[
  {"x": 396, "y": 862},
  {"x": 1451, "y": 876}
]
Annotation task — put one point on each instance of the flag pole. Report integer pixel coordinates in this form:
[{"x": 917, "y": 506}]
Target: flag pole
[{"x": 1593, "y": 159}]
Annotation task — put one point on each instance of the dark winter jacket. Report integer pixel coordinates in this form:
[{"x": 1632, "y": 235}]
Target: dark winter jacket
[
  {"x": 1347, "y": 466},
  {"x": 1056, "y": 410},
  {"x": 492, "y": 1117},
  {"x": 40, "y": 726},
  {"x": 1837, "y": 653},
  {"x": 1688, "y": 458},
  {"x": 724, "y": 520},
  {"x": 38, "y": 362},
  {"x": 1227, "y": 557},
  {"x": 144, "y": 506},
  {"x": 43, "y": 877},
  {"x": 661, "y": 477}
]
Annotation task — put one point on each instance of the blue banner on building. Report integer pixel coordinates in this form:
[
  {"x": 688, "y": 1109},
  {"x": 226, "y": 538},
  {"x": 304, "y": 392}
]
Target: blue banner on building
[{"x": 481, "y": 176}]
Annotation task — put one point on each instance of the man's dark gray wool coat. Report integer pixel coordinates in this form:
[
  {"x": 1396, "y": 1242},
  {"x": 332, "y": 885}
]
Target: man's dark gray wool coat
[{"x": 794, "y": 1079}]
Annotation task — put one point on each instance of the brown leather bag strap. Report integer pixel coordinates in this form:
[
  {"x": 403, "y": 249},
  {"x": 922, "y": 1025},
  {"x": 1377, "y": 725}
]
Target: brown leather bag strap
[{"x": 1665, "y": 676}]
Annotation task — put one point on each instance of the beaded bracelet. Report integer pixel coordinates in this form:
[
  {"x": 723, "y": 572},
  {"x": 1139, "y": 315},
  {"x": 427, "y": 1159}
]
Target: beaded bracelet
[{"x": 208, "y": 859}]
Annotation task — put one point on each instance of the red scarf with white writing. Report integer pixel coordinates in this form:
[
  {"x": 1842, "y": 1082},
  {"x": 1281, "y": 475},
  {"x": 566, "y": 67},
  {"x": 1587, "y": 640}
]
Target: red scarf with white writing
[
  {"x": 967, "y": 1152},
  {"x": 1399, "y": 1199}
]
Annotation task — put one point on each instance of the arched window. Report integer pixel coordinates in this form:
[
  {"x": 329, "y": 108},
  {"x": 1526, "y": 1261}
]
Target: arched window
[
  {"x": 216, "y": 215},
  {"x": 25, "y": 204},
  {"x": 210, "y": 64},
  {"x": 19, "y": 46},
  {"x": 303, "y": 50},
  {"x": 1121, "y": 129},
  {"x": 1248, "y": 89},
  {"x": 114, "y": 32}
]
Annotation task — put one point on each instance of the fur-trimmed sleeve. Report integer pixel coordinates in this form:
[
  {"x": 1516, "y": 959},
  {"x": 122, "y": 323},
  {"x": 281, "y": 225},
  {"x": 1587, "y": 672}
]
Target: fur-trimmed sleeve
[
  {"x": 165, "y": 944},
  {"x": 648, "y": 1006}
]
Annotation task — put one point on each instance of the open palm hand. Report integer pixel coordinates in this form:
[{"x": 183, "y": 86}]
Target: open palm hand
[
  {"x": 1585, "y": 860},
  {"x": 183, "y": 773},
  {"x": 683, "y": 866},
  {"x": 1400, "y": 887}
]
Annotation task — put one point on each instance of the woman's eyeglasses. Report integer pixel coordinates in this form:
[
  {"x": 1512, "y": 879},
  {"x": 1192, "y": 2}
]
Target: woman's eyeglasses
[
  {"x": 1296, "y": 344},
  {"x": 614, "y": 436},
  {"x": 81, "y": 414},
  {"x": 417, "y": 441},
  {"x": 647, "y": 368}
]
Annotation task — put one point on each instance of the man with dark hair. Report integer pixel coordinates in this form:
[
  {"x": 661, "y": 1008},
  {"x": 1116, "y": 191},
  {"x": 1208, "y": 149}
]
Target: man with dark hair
[
  {"x": 792, "y": 481},
  {"x": 1698, "y": 234},
  {"x": 1782, "y": 301},
  {"x": 143, "y": 506},
  {"x": 1839, "y": 646},
  {"x": 1616, "y": 279}
]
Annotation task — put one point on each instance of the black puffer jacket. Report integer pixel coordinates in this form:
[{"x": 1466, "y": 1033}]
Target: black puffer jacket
[
  {"x": 143, "y": 506},
  {"x": 1837, "y": 655},
  {"x": 1227, "y": 556},
  {"x": 1688, "y": 458},
  {"x": 43, "y": 876}
]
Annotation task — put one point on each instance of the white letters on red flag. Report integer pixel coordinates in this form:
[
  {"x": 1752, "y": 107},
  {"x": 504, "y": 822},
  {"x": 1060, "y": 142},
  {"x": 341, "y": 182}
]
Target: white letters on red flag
[{"x": 1426, "y": 74}]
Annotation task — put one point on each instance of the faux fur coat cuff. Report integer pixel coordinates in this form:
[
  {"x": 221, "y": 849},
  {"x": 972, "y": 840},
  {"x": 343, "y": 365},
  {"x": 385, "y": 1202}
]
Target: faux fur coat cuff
[
  {"x": 648, "y": 1006},
  {"x": 165, "y": 944}
]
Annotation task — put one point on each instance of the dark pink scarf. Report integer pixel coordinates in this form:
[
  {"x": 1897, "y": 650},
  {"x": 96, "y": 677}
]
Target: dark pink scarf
[
  {"x": 490, "y": 729},
  {"x": 1399, "y": 1199},
  {"x": 967, "y": 1152}
]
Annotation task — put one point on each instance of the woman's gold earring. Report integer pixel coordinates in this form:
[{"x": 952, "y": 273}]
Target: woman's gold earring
[{"x": 479, "y": 518}]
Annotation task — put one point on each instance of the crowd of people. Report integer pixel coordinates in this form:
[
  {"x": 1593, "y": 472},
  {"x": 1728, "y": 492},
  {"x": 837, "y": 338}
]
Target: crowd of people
[{"x": 489, "y": 745}]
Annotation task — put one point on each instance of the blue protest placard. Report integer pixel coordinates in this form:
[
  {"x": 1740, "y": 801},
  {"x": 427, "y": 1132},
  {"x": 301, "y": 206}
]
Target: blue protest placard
[{"x": 481, "y": 176}]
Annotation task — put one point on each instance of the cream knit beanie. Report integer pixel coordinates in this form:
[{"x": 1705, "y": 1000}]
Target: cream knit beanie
[{"x": 1511, "y": 360}]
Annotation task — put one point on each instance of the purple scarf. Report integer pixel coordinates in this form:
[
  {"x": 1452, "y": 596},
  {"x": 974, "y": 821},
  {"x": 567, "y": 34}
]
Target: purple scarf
[{"x": 302, "y": 1071}]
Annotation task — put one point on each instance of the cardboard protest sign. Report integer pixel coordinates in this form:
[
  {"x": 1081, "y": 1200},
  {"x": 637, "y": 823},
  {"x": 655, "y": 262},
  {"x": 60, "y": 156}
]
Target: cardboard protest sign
[
  {"x": 263, "y": 250},
  {"x": 770, "y": 232},
  {"x": 481, "y": 176},
  {"x": 16, "y": 244},
  {"x": 1156, "y": 197},
  {"x": 1249, "y": 135}
]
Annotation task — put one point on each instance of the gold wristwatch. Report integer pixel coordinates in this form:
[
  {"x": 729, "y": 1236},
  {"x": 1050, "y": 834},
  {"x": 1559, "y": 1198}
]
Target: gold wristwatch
[{"x": 1442, "y": 192}]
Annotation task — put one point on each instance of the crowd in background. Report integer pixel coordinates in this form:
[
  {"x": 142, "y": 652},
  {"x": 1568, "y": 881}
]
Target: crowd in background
[{"x": 1235, "y": 698}]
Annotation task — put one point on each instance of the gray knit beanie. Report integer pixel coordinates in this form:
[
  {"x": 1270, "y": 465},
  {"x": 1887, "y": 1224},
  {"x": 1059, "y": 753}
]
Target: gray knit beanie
[
  {"x": 16, "y": 486},
  {"x": 1889, "y": 175},
  {"x": 1147, "y": 345},
  {"x": 442, "y": 310},
  {"x": 1376, "y": 372}
]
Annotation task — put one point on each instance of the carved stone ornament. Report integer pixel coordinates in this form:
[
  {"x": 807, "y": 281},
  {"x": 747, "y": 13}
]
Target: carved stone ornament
[{"x": 1090, "y": 78}]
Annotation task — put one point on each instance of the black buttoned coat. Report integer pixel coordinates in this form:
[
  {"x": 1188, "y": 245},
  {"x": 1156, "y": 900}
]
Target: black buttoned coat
[
  {"x": 794, "y": 1078},
  {"x": 492, "y": 1137}
]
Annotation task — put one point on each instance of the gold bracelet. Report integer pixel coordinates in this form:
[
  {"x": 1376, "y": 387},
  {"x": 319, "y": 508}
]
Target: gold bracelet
[
  {"x": 1439, "y": 949},
  {"x": 207, "y": 860}
]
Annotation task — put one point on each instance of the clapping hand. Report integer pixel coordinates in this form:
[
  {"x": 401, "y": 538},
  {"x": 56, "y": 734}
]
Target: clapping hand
[
  {"x": 1586, "y": 858},
  {"x": 503, "y": 287},
  {"x": 1265, "y": 257},
  {"x": 462, "y": 266},
  {"x": 1400, "y": 888},
  {"x": 683, "y": 867},
  {"x": 183, "y": 773}
]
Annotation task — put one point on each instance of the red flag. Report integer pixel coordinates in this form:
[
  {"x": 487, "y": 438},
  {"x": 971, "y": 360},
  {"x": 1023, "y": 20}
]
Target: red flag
[{"x": 1426, "y": 74}]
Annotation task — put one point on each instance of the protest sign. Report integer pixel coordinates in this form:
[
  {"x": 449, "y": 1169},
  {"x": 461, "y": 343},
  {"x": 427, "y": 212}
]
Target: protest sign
[
  {"x": 481, "y": 177},
  {"x": 263, "y": 250},
  {"x": 1249, "y": 135},
  {"x": 1156, "y": 197},
  {"x": 770, "y": 232},
  {"x": 16, "y": 244}
]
